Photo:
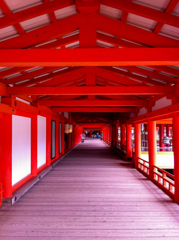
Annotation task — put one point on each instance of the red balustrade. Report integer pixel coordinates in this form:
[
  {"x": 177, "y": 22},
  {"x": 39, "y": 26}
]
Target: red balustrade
[
  {"x": 164, "y": 180},
  {"x": 143, "y": 166}
]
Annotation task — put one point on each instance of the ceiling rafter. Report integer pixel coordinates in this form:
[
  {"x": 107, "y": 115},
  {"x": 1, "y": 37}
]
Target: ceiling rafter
[
  {"x": 143, "y": 11},
  {"x": 45, "y": 8},
  {"x": 124, "y": 30},
  {"x": 9, "y": 15},
  {"x": 46, "y": 33}
]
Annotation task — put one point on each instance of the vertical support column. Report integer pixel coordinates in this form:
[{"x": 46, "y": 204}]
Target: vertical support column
[
  {"x": 123, "y": 142},
  {"x": 91, "y": 133},
  {"x": 63, "y": 139},
  {"x": 128, "y": 141},
  {"x": 57, "y": 140},
  {"x": 176, "y": 155},
  {"x": 152, "y": 147},
  {"x": 6, "y": 154},
  {"x": 34, "y": 145},
  {"x": 117, "y": 125},
  {"x": 161, "y": 138},
  {"x": 137, "y": 127},
  {"x": 48, "y": 149}
]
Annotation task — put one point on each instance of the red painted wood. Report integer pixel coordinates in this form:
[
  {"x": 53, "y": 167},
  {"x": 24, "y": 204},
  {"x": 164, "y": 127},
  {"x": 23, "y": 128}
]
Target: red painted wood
[
  {"x": 89, "y": 57},
  {"x": 143, "y": 11},
  {"x": 176, "y": 155},
  {"x": 6, "y": 154},
  {"x": 161, "y": 129},
  {"x": 152, "y": 147},
  {"x": 137, "y": 143},
  {"x": 128, "y": 141}
]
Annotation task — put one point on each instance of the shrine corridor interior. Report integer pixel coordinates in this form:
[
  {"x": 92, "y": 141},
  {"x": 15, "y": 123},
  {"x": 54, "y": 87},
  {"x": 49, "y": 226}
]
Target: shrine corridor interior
[{"x": 89, "y": 119}]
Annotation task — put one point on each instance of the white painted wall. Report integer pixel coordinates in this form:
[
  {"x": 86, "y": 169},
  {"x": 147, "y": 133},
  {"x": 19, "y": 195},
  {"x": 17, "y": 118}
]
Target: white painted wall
[
  {"x": 21, "y": 148},
  {"x": 142, "y": 111},
  {"x": 162, "y": 161},
  {"x": 41, "y": 141},
  {"x": 161, "y": 103}
]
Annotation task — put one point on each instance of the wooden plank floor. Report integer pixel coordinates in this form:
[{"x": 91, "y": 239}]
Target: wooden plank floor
[{"x": 91, "y": 194}]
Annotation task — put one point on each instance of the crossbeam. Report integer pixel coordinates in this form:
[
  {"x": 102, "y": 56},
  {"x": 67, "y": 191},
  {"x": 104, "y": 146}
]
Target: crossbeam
[
  {"x": 92, "y": 103},
  {"x": 88, "y": 57},
  {"x": 84, "y": 109},
  {"x": 90, "y": 90}
]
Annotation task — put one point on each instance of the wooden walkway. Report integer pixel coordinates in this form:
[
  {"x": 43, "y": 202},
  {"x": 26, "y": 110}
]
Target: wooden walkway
[{"x": 91, "y": 194}]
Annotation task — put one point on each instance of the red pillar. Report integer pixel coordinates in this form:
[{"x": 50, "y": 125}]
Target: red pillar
[
  {"x": 91, "y": 133},
  {"x": 6, "y": 154},
  {"x": 162, "y": 149},
  {"x": 128, "y": 141},
  {"x": 57, "y": 140},
  {"x": 152, "y": 146},
  {"x": 176, "y": 155},
  {"x": 137, "y": 142},
  {"x": 48, "y": 146},
  {"x": 34, "y": 145},
  {"x": 62, "y": 139},
  {"x": 123, "y": 142}
]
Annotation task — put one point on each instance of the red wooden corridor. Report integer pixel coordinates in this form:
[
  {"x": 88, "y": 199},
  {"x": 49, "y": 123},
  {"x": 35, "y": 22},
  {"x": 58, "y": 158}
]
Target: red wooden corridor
[{"x": 92, "y": 194}]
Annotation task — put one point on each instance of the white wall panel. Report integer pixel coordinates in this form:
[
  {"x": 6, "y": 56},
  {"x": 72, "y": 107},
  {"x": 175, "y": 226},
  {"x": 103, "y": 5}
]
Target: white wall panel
[
  {"x": 41, "y": 141},
  {"x": 21, "y": 148}
]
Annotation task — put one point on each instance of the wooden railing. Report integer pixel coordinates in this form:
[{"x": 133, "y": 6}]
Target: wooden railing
[
  {"x": 143, "y": 166},
  {"x": 1, "y": 191},
  {"x": 164, "y": 180},
  {"x": 118, "y": 145},
  {"x": 124, "y": 149}
]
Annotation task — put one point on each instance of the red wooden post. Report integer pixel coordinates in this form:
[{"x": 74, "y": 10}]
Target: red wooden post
[
  {"x": 48, "y": 147},
  {"x": 62, "y": 139},
  {"x": 161, "y": 138},
  {"x": 123, "y": 141},
  {"x": 128, "y": 141},
  {"x": 34, "y": 145},
  {"x": 152, "y": 146},
  {"x": 91, "y": 133},
  {"x": 176, "y": 155},
  {"x": 57, "y": 140},
  {"x": 137, "y": 142},
  {"x": 6, "y": 154}
]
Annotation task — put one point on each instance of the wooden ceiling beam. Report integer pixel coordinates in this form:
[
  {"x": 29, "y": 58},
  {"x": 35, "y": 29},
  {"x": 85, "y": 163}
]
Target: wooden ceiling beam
[
  {"x": 143, "y": 11},
  {"x": 89, "y": 57}
]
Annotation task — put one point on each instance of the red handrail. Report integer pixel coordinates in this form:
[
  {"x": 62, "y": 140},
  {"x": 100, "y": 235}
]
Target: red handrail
[
  {"x": 164, "y": 180},
  {"x": 143, "y": 166}
]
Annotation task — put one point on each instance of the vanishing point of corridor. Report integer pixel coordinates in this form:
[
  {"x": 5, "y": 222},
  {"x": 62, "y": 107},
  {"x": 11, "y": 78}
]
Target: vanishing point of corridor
[{"x": 91, "y": 194}]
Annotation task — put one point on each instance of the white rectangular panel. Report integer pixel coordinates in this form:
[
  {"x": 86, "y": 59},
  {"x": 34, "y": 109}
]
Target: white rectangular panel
[
  {"x": 21, "y": 148},
  {"x": 41, "y": 141}
]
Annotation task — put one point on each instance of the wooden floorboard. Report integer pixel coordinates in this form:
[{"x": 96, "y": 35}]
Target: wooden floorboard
[{"x": 91, "y": 194}]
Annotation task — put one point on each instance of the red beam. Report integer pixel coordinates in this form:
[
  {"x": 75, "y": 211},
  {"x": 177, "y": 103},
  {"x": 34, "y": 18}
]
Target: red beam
[
  {"x": 92, "y": 103},
  {"x": 124, "y": 30},
  {"x": 91, "y": 90},
  {"x": 44, "y": 34},
  {"x": 89, "y": 57},
  {"x": 143, "y": 11},
  {"x": 34, "y": 12},
  {"x": 85, "y": 109}
]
